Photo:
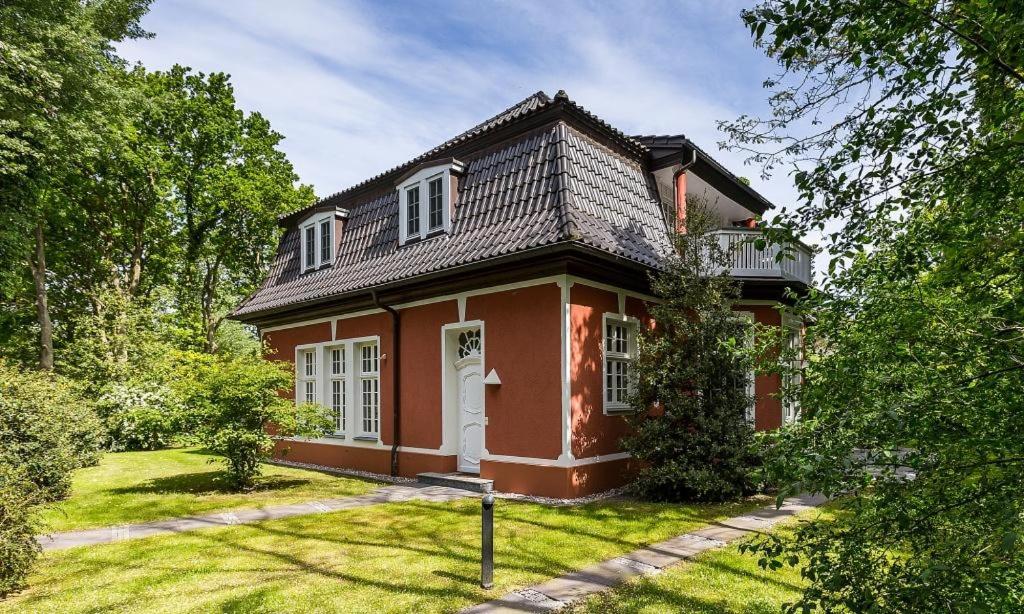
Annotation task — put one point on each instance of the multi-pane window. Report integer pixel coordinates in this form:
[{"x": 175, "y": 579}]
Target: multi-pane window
[
  {"x": 792, "y": 377},
  {"x": 310, "y": 239},
  {"x": 337, "y": 388},
  {"x": 325, "y": 241},
  {"x": 618, "y": 358},
  {"x": 427, "y": 202},
  {"x": 746, "y": 321},
  {"x": 369, "y": 389},
  {"x": 317, "y": 244},
  {"x": 344, "y": 376},
  {"x": 412, "y": 211},
  {"x": 307, "y": 376},
  {"x": 435, "y": 204}
]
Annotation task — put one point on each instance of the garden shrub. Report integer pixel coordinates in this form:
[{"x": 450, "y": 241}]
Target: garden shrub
[
  {"x": 694, "y": 368},
  {"x": 139, "y": 416},
  {"x": 234, "y": 400},
  {"x": 18, "y": 546},
  {"x": 47, "y": 430}
]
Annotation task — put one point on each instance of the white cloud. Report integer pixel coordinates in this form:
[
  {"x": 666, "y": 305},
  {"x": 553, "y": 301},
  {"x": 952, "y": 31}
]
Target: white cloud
[{"x": 359, "y": 88}]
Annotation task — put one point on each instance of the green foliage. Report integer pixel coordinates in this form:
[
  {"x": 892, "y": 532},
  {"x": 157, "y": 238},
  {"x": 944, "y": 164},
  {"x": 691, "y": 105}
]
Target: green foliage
[
  {"x": 693, "y": 369},
  {"x": 232, "y": 182},
  {"x": 18, "y": 546},
  {"x": 916, "y": 359},
  {"x": 234, "y": 400},
  {"x": 144, "y": 416},
  {"x": 47, "y": 430}
]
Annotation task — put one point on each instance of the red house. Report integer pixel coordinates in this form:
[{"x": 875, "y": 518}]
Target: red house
[{"x": 475, "y": 309}]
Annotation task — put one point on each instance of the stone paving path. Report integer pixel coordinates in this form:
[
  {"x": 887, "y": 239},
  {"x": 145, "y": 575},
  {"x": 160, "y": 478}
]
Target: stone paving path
[
  {"x": 385, "y": 494},
  {"x": 559, "y": 592}
]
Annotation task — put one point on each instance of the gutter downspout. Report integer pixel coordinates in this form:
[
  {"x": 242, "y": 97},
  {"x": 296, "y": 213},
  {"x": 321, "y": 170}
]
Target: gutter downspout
[
  {"x": 396, "y": 380},
  {"x": 679, "y": 185}
]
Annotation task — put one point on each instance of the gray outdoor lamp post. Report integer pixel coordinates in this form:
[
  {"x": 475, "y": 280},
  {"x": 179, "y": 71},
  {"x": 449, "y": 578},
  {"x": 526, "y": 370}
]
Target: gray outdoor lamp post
[{"x": 487, "y": 542}]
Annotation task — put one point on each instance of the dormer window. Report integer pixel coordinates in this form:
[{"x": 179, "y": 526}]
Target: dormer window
[
  {"x": 436, "y": 203},
  {"x": 426, "y": 200},
  {"x": 412, "y": 211},
  {"x": 317, "y": 241}
]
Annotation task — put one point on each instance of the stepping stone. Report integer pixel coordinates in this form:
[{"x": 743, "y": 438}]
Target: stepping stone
[
  {"x": 524, "y": 600},
  {"x": 644, "y": 568},
  {"x": 654, "y": 556},
  {"x": 722, "y": 532},
  {"x": 686, "y": 546},
  {"x": 593, "y": 579}
]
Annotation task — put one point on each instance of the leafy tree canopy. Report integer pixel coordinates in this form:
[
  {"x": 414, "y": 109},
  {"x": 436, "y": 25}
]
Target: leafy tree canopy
[{"x": 902, "y": 124}]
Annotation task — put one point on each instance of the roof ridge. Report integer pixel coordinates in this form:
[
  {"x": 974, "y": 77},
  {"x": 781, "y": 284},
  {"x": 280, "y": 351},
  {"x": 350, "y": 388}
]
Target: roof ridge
[
  {"x": 498, "y": 119},
  {"x": 532, "y": 103},
  {"x": 565, "y": 194}
]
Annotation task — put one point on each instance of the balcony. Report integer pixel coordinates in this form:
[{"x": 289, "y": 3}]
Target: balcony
[{"x": 748, "y": 262}]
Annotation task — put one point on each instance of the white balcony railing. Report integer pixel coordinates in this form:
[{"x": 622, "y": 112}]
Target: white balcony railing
[{"x": 748, "y": 262}]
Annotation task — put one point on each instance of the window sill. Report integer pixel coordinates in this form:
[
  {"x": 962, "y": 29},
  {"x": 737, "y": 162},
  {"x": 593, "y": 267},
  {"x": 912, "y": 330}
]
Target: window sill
[
  {"x": 334, "y": 436},
  {"x": 616, "y": 410},
  {"x": 431, "y": 234},
  {"x": 314, "y": 269},
  {"x": 365, "y": 438}
]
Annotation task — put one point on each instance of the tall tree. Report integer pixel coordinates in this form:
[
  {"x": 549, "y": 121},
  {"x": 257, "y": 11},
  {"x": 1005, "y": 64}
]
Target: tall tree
[
  {"x": 55, "y": 62},
  {"x": 231, "y": 181},
  {"x": 902, "y": 122}
]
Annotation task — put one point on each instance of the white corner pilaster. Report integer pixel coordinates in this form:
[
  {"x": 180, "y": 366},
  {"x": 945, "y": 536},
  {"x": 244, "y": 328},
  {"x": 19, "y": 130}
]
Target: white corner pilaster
[{"x": 565, "y": 284}]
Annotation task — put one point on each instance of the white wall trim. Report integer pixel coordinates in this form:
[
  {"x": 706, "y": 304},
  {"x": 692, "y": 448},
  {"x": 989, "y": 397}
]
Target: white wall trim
[
  {"x": 600, "y": 286},
  {"x": 752, "y": 383},
  {"x": 565, "y": 315},
  {"x": 559, "y": 462},
  {"x": 332, "y": 319},
  {"x": 539, "y": 281},
  {"x": 462, "y": 296}
]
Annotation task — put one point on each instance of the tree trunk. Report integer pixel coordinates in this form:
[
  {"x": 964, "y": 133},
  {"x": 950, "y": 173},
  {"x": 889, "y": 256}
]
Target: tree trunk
[
  {"x": 38, "y": 266},
  {"x": 208, "y": 302}
]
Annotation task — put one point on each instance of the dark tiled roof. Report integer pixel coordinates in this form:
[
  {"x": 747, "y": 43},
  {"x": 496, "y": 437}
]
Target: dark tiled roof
[
  {"x": 551, "y": 185},
  {"x": 524, "y": 107}
]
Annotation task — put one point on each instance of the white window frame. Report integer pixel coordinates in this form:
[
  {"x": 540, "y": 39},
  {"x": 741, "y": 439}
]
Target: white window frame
[
  {"x": 322, "y": 382},
  {"x": 422, "y": 180},
  {"x": 337, "y": 401},
  {"x": 750, "y": 320},
  {"x": 307, "y": 389},
  {"x": 316, "y": 223},
  {"x": 368, "y": 417},
  {"x": 794, "y": 337},
  {"x": 632, "y": 326}
]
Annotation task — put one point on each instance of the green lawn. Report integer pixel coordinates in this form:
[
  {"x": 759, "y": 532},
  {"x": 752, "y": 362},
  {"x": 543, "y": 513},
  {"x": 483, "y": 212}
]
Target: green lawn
[
  {"x": 129, "y": 487},
  {"x": 399, "y": 557}
]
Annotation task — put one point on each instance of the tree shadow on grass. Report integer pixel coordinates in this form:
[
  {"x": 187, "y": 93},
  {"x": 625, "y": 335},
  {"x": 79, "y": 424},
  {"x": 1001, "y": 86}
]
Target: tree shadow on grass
[{"x": 204, "y": 483}]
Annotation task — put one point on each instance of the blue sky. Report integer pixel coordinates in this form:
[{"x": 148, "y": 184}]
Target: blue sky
[{"x": 359, "y": 87}]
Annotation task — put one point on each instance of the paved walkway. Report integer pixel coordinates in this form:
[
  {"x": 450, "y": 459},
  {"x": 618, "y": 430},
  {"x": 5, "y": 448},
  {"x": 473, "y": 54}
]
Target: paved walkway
[
  {"x": 560, "y": 592},
  {"x": 385, "y": 494}
]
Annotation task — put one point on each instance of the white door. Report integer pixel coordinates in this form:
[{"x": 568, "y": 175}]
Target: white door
[{"x": 471, "y": 412}]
